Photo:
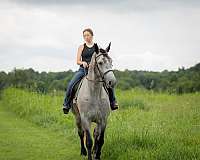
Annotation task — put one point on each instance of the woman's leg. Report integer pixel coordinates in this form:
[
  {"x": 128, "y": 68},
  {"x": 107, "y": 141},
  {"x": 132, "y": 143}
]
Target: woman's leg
[
  {"x": 112, "y": 98},
  {"x": 111, "y": 94},
  {"x": 77, "y": 76}
]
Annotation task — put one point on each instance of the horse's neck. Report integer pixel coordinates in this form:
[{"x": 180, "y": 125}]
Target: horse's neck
[{"x": 95, "y": 87}]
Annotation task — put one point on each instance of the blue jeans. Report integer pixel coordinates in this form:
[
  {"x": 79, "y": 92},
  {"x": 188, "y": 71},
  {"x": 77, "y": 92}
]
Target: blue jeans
[{"x": 76, "y": 78}]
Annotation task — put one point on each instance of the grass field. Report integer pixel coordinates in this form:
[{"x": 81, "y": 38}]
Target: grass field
[{"x": 147, "y": 126}]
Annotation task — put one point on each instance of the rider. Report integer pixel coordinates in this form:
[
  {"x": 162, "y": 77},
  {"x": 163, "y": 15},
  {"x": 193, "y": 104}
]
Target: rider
[{"x": 84, "y": 55}]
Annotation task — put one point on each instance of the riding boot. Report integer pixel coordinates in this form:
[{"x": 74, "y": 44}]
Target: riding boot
[
  {"x": 67, "y": 106},
  {"x": 113, "y": 102},
  {"x": 114, "y": 105},
  {"x": 68, "y": 102}
]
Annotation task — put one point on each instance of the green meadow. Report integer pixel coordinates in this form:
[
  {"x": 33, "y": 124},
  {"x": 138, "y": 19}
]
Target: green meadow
[{"x": 148, "y": 126}]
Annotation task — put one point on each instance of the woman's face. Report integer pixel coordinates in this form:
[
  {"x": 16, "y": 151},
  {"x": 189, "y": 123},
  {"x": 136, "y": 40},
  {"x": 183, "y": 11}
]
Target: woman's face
[{"x": 87, "y": 36}]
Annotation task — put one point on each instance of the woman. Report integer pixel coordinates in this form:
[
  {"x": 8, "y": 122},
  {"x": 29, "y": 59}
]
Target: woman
[{"x": 84, "y": 55}]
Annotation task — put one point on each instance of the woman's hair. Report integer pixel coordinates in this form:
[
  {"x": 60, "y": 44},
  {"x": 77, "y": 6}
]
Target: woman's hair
[{"x": 89, "y": 30}]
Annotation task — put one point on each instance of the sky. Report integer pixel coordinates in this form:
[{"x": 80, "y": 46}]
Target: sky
[{"x": 151, "y": 35}]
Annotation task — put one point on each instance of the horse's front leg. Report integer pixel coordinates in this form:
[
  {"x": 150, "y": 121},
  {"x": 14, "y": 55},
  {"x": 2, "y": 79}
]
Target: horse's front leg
[
  {"x": 80, "y": 130},
  {"x": 89, "y": 144},
  {"x": 95, "y": 135},
  {"x": 83, "y": 149},
  {"x": 99, "y": 141}
]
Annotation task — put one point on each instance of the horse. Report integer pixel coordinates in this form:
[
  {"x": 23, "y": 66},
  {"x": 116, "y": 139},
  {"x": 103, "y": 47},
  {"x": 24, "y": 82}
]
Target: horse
[{"x": 92, "y": 102}]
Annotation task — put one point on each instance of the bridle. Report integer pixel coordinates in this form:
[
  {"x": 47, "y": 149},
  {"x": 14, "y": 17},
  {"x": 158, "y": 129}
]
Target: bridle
[{"x": 102, "y": 75}]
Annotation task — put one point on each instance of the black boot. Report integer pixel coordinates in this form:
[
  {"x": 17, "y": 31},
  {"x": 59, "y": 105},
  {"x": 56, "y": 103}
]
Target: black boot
[
  {"x": 114, "y": 105},
  {"x": 66, "y": 108},
  {"x": 113, "y": 102}
]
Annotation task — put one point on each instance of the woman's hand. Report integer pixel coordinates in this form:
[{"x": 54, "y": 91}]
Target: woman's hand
[{"x": 84, "y": 64}]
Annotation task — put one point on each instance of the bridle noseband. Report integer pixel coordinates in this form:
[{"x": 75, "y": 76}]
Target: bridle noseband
[{"x": 102, "y": 75}]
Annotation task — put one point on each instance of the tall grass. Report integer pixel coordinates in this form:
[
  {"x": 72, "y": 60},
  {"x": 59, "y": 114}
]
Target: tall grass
[
  {"x": 44, "y": 110},
  {"x": 147, "y": 126}
]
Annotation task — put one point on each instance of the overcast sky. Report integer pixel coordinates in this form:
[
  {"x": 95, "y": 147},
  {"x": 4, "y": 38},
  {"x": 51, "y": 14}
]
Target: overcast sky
[{"x": 145, "y": 34}]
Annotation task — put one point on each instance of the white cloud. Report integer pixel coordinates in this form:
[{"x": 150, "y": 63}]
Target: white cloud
[{"x": 47, "y": 37}]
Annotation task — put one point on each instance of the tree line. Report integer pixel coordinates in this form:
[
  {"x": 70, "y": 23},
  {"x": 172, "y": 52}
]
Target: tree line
[{"x": 180, "y": 81}]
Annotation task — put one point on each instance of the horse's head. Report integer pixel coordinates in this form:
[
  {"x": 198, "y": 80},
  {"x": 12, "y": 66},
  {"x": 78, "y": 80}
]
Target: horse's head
[{"x": 103, "y": 65}]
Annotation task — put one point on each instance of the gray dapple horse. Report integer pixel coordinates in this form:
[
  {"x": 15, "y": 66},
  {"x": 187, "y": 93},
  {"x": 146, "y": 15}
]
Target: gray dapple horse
[{"x": 93, "y": 104}]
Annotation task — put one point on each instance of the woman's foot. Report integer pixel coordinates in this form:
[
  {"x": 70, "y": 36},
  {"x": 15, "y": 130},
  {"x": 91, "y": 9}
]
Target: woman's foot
[{"x": 114, "y": 105}]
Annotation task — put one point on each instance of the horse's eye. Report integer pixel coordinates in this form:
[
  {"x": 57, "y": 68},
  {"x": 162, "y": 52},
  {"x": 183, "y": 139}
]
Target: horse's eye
[{"x": 100, "y": 63}]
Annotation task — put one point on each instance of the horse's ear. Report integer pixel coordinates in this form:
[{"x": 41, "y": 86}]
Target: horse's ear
[
  {"x": 108, "y": 48},
  {"x": 96, "y": 48}
]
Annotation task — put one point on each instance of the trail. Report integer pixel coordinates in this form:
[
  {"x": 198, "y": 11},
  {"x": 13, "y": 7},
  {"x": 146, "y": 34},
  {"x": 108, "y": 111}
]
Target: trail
[{"x": 23, "y": 140}]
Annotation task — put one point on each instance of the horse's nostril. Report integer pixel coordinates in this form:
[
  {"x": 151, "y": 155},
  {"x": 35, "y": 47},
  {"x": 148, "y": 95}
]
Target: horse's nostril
[{"x": 109, "y": 82}]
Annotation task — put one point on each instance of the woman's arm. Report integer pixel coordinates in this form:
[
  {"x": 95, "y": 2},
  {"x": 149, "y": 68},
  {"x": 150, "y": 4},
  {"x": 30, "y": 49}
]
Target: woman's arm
[{"x": 78, "y": 60}]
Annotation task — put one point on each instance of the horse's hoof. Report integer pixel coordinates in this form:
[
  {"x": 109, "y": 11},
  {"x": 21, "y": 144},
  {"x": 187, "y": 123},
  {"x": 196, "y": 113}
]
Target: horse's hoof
[
  {"x": 96, "y": 158},
  {"x": 83, "y": 152}
]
